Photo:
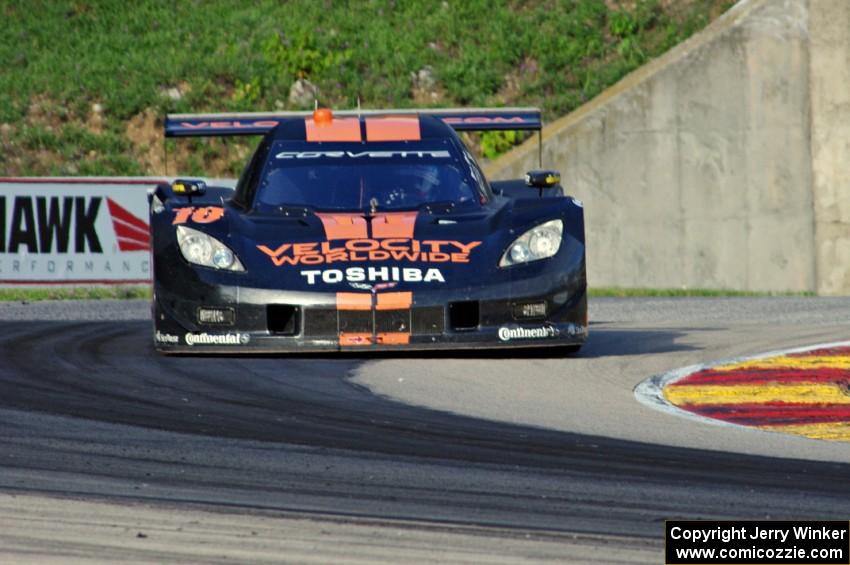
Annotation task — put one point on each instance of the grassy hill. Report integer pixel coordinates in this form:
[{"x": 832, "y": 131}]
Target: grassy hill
[{"x": 84, "y": 83}]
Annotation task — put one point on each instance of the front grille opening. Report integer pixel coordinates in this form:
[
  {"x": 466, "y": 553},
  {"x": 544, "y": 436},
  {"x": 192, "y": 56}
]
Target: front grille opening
[
  {"x": 321, "y": 322},
  {"x": 464, "y": 316},
  {"x": 429, "y": 320},
  {"x": 392, "y": 321},
  {"x": 355, "y": 321},
  {"x": 282, "y": 319}
]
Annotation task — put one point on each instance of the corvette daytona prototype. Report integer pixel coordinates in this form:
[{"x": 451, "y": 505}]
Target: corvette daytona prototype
[{"x": 365, "y": 230}]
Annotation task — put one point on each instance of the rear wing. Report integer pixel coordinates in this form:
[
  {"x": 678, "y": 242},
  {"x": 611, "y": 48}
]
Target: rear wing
[{"x": 260, "y": 123}]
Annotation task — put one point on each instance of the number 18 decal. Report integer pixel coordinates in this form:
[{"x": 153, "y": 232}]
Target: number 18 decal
[{"x": 205, "y": 215}]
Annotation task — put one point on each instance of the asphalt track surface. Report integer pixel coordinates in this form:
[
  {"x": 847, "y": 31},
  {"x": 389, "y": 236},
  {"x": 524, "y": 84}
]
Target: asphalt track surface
[{"x": 89, "y": 412}]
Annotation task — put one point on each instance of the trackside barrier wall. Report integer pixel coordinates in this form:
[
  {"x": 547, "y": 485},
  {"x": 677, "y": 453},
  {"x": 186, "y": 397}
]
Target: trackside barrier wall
[{"x": 722, "y": 164}]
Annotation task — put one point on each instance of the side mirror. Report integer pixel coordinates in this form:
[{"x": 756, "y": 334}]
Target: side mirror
[
  {"x": 189, "y": 188},
  {"x": 542, "y": 179}
]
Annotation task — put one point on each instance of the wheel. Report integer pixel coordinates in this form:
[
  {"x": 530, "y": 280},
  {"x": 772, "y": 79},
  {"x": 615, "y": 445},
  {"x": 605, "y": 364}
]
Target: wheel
[{"x": 571, "y": 349}]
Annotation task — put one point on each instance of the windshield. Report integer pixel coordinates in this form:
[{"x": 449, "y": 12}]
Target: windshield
[{"x": 379, "y": 176}]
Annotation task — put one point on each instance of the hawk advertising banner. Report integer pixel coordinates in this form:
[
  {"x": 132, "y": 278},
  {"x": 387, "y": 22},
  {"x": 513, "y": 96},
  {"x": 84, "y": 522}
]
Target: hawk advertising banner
[{"x": 74, "y": 231}]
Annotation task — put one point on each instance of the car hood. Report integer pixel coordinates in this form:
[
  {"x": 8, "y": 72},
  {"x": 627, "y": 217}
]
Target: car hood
[{"x": 298, "y": 249}]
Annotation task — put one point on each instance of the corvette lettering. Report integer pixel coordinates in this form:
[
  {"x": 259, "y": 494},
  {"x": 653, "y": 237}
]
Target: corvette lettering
[
  {"x": 361, "y": 154},
  {"x": 354, "y": 250},
  {"x": 357, "y": 275}
]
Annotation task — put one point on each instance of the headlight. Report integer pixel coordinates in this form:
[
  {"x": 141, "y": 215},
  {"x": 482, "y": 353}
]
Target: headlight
[
  {"x": 537, "y": 243},
  {"x": 202, "y": 249}
]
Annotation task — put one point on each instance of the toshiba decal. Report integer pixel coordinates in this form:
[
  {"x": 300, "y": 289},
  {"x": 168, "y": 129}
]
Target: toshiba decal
[{"x": 74, "y": 231}]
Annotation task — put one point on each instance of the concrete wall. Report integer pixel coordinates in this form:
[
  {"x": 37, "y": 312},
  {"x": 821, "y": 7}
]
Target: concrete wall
[
  {"x": 718, "y": 164},
  {"x": 829, "y": 52}
]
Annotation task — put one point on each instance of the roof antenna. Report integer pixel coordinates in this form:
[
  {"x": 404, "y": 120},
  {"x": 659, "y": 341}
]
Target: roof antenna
[
  {"x": 315, "y": 104},
  {"x": 540, "y": 147},
  {"x": 358, "y": 107}
]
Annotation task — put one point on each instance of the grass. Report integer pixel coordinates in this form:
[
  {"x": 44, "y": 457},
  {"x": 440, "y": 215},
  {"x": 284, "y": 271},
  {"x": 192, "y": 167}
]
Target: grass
[
  {"x": 683, "y": 292},
  {"x": 79, "y": 75},
  {"x": 130, "y": 292},
  {"x": 76, "y": 293}
]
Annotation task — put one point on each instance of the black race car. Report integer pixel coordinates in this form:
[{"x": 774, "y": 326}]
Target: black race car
[{"x": 370, "y": 230}]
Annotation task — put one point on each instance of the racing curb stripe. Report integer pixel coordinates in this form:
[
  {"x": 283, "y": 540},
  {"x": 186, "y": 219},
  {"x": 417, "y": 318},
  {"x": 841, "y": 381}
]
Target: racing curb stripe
[
  {"x": 791, "y": 362},
  {"x": 825, "y": 352},
  {"x": 650, "y": 391},
  {"x": 775, "y": 413},
  {"x": 338, "y": 129},
  {"x": 828, "y": 431},
  {"x": 747, "y": 394},
  {"x": 762, "y": 376}
]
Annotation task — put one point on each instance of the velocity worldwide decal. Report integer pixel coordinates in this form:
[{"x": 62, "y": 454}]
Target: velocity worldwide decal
[
  {"x": 802, "y": 391},
  {"x": 386, "y": 238}
]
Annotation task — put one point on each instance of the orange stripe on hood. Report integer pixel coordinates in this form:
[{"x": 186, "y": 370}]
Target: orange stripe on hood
[
  {"x": 355, "y": 339},
  {"x": 394, "y": 224},
  {"x": 344, "y": 226},
  {"x": 393, "y": 128},
  {"x": 394, "y": 301},
  {"x": 338, "y": 129},
  {"x": 392, "y": 338},
  {"x": 353, "y": 301}
]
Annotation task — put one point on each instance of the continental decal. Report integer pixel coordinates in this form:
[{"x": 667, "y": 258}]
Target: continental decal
[
  {"x": 373, "y": 250},
  {"x": 202, "y": 215},
  {"x": 216, "y": 339},
  {"x": 519, "y": 332}
]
